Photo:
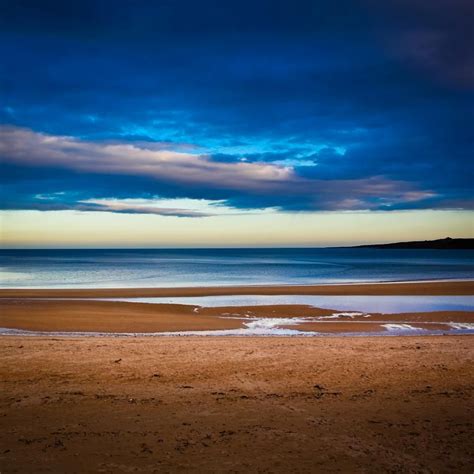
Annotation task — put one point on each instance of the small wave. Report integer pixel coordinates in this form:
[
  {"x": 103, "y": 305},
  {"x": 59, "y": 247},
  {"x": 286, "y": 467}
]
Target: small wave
[
  {"x": 343, "y": 315},
  {"x": 461, "y": 325},
  {"x": 400, "y": 327}
]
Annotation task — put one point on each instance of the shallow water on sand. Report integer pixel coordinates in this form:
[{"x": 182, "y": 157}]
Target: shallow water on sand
[
  {"x": 266, "y": 328},
  {"x": 349, "y": 307},
  {"x": 373, "y": 304}
]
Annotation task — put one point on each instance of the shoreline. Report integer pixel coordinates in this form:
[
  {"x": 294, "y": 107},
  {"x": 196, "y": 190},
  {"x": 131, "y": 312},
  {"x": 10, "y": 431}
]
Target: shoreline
[
  {"x": 96, "y": 317},
  {"x": 370, "y": 334},
  {"x": 58, "y": 312},
  {"x": 406, "y": 288}
]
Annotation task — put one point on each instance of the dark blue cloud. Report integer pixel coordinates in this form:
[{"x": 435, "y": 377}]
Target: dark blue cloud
[{"x": 346, "y": 91}]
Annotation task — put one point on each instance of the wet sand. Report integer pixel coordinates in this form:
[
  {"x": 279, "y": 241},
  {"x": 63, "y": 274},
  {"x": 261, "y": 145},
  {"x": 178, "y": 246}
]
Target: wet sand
[
  {"x": 99, "y": 316},
  {"x": 118, "y": 317},
  {"x": 44, "y": 310},
  {"x": 402, "y": 288},
  {"x": 237, "y": 405}
]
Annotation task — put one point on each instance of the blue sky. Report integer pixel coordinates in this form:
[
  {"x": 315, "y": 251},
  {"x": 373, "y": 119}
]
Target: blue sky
[{"x": 301, "y": 106}]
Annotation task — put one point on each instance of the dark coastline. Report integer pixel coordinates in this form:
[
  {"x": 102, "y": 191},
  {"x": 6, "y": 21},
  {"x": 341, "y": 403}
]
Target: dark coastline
[{"x": 439, "y": 244}]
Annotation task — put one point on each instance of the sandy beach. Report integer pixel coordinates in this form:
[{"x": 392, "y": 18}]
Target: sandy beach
[
  {"x": 117, "y": 317},
  {"x": 226, "y": 404},
  {"x": 237, "y": 405},
  {"x": 236, "y": 237},
  {"x": 51, "y": 310},
  {"x": 394, "y": 288}
]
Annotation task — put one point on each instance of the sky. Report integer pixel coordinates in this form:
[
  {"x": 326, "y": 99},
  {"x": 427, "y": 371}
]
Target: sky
[{"x": 236, "y": 123}]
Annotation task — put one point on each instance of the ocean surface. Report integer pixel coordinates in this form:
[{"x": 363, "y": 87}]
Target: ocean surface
[{"x": 206, "y": 267}]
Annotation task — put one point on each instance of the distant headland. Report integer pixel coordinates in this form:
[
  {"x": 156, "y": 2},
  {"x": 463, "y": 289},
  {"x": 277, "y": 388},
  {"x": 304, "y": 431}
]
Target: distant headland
[{"x": 442, "y": 244}]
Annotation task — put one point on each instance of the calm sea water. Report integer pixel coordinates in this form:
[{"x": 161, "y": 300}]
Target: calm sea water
[
  {"x": 200, "y": 267},
  {"x": 367, "y": 304}
]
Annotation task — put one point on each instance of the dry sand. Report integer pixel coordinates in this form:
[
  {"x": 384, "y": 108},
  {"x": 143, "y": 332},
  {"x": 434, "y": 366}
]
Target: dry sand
[{"x": 237, "y": 405}]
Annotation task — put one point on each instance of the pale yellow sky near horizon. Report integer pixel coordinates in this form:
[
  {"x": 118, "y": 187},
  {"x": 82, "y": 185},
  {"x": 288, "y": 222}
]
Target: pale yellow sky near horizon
[{"x": 35, "y": 229}]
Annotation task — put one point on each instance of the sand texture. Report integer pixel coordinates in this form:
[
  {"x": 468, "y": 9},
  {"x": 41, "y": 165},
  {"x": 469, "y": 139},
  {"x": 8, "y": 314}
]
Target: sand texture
[{"x": 237, "y": 405}]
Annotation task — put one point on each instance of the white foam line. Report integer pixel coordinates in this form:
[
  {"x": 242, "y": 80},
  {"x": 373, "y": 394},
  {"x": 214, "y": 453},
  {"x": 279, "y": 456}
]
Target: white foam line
[
  {"x": 244, "y": 332},
  {"x": 401, "y": 327},
  {"x": 469, "y": 326},
  {"x": 264, "y": 327},
  {"x": 343, "y": 315},
  {"x": 336, "y": 319},
  {"x": 232, "y": 333}
]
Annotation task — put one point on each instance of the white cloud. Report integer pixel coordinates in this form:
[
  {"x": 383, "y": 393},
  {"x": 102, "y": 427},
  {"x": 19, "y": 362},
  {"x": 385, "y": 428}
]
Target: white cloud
[
  {"x": 183, "y": 207},
  {"x": 253, "y": 185},
  {"x": 26, "y": 147}
]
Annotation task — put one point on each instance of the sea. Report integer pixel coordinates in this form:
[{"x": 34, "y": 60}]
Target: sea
[{"x": 125, "y": 268}]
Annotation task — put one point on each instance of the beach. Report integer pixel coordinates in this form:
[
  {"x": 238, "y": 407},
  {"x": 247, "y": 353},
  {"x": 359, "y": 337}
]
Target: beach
[
  {"x": 78, "y": 316},
  {"x": 133, "y": 398},
  {"x": 463, "y": 287},
  {"x": 237, "y": 405},
  {"x": 88, "y": 311},
  {"x": 236, "y": 237}
]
